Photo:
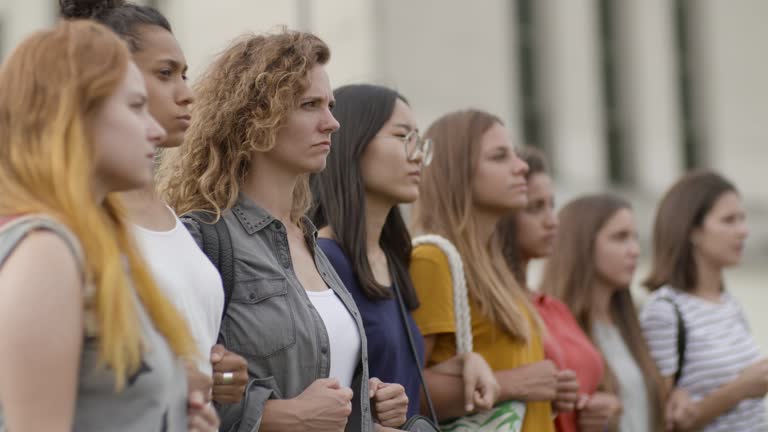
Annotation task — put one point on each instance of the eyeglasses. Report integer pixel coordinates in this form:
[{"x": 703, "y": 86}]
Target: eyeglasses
[{"x": 414, "y": 144}]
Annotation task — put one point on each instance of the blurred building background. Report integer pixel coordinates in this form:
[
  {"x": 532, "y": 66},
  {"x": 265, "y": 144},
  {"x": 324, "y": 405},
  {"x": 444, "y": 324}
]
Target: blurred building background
[{"x": 622, "y": 94}]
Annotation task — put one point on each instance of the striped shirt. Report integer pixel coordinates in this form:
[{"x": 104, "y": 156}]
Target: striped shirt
[{"x": 719, "y": 346}]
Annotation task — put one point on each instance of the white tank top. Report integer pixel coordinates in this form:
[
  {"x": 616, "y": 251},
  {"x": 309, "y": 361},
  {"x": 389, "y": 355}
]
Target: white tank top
[
  {"x": 342, "y": 335},
  {"x": 190, "y": 281}
]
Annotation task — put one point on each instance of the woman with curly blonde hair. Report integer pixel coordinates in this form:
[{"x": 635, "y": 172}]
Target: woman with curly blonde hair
[{"x": 261, "y": 124}]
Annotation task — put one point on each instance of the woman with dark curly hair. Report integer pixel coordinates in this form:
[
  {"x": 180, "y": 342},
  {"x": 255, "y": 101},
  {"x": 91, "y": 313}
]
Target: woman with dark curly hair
[{"x": 261, "y": 124}]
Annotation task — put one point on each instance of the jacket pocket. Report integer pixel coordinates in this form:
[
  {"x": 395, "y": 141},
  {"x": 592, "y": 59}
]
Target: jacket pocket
[{"x": 260, "y": 320}]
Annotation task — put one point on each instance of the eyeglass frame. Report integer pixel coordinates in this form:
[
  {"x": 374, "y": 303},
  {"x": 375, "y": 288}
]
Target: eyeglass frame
[{"x": 425, "y": 146}]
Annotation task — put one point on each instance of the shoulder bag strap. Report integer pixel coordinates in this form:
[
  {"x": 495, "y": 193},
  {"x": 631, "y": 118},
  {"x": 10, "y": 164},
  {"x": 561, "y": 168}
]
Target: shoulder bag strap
[
  {"x": 681, "y": 339},
  {"x": 419, "y": 363}
]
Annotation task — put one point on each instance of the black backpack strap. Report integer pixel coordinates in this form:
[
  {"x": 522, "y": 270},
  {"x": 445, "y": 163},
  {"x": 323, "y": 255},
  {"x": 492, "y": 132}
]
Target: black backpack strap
[
  {"x": 217, "y": 246},
  {"x": 404, "y": 316},
  {"x": 681, "y": 339}
]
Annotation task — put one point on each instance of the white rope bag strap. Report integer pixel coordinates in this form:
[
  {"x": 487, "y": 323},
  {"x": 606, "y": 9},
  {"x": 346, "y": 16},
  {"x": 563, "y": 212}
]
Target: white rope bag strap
[{"x": 460, "y": 294}]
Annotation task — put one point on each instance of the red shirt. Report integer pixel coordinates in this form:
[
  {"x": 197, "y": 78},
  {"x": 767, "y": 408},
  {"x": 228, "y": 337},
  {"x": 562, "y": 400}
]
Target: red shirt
[{"x": 569, "y": 348}]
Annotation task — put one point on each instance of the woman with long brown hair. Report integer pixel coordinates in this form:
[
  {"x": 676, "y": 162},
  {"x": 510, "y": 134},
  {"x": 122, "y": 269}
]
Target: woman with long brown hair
[
  {"x": 90, "y": 343},
  {"x": 262, "y": 123},
  {"x": 697, "y": 330},
  {"x": 474, "y": 180},
  {"x": 529, "y": 234},
  {"x": 590, "y": 270}
]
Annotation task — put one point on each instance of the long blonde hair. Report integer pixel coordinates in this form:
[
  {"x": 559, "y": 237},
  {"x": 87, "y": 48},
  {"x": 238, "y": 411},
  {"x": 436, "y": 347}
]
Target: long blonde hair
[
  {"x": 242, "y": 100},
  {"x": 46, "y": 155},
  {"x": 445, "y": 207}
]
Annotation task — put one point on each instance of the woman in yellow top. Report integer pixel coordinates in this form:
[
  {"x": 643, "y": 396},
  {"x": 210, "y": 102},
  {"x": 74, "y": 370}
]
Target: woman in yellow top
[{"x": 474, "y": 180}]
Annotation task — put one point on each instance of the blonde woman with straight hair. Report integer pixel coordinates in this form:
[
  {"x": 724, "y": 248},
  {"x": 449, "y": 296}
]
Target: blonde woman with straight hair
[
  {"x": 89, "y": 343},
  {"x": 474, "y": 180}
]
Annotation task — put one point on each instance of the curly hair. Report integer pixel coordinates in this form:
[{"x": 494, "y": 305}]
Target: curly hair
[{"x": 243, "y": 99}]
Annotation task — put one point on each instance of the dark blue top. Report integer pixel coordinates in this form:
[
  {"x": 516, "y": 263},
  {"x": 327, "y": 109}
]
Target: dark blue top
[{"x": 389, "y": 354}]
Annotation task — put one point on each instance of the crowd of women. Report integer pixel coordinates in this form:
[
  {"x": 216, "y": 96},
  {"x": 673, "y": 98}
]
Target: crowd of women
[{"x": 292, "y": 294}]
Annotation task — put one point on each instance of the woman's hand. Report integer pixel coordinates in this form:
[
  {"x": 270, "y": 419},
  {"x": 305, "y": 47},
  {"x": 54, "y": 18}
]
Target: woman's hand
[
  {"x": 567, "y": 391},
  {"x": 198, "y": 381},
  {"x": 481, "y": 389},
  {"x": 681, "y": 411},
  {"x": 540, "y": 381},
  {"x": 201, "y": 415},
  {"x": 390, "y": 402},
  {"x": 601, "y": 411},
  {"x": 230, "y": 375}
]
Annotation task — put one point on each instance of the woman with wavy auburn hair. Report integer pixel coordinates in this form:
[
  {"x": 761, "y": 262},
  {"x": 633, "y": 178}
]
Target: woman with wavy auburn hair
[
  {"x": 475, "y": 179},
  {"x": 262, "y": 124},
  {"x": 90, "y": 343}
]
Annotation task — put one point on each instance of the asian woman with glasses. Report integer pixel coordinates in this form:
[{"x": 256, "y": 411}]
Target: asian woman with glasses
[{"x": 375, "y": 166}]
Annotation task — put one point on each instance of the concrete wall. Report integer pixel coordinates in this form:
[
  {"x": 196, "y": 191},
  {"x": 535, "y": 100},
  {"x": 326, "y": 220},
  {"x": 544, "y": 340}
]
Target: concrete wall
[{"x": 452, "y": 54}]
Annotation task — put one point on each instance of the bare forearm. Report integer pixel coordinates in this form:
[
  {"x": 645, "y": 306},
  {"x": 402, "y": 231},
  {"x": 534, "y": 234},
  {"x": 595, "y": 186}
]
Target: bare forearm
[
  {"x": 454, "y": 366},
  {"x": 280, "y": 415},
  {"x": 717, "y": 403},
  {"x": 447, "y": 395},
  {"x": 379, "y": 428},
  {"x": 513, "y": 385}
]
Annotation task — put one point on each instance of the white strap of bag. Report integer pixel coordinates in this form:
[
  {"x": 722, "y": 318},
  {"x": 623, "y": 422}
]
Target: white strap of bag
[{"x": 460, "y": 294}]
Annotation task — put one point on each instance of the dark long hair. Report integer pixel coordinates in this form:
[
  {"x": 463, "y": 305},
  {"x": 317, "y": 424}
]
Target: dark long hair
[
  {"x": 120, "y": 16},
  {"x": 683, "y": 208},
  {"x": 339, "y": 195},
  {"x": 570, "y": 276}
]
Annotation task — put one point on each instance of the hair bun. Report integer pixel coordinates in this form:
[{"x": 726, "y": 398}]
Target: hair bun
[{"x": 86, "y": 8}]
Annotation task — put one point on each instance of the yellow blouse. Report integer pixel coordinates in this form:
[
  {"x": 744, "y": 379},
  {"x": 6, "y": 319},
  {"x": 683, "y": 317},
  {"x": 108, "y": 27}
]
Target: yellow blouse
[{"x": 431, "y": 276}]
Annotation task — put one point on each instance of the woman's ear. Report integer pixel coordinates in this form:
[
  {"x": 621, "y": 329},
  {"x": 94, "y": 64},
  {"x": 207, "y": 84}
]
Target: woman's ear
[{"x": 695, "y": 237}]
